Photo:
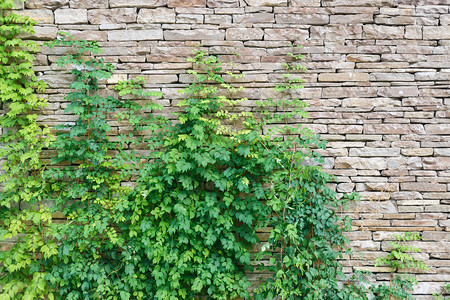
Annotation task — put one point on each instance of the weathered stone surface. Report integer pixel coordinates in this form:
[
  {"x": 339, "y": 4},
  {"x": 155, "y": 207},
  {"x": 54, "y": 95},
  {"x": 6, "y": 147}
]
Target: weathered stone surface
[
  {"x": 71, "y": 16},
  {"x": 41, "y": 16},
  {"x": 89, "y": 3},
  {"x": 374, "y": 152},
  {"x": 266, "y": 2},
  {"x": 157, "y": 15},
  {"x": 254, "y": 18},
  {"x": 42, "y": 33},
  {"x": 117, "y": 15},
  {"x": 418, "y": 152},
  {"x": 351, "y": 19},
  {"x": 135, "y": 35},
  {"x": 394, "y": 129},
  {"x": 438, "y": 129},
  {"x": 187, "y": 3},
  {"x": 376, "y": 3},
  {"x": 196, "y": 34},
  {"x": 49, "y": 4},
  {"x": 360, "y": 163},
  {"x": 285, "y": 34},
  {"x": 383, "y": 32},
  {"x": 340, "y": 77},
  {"x": 244, "y": 34},
  {"x": 423, "y": 187},
  {"x": 438, "y": 163},
  {"x": 399, "y": 92},
  {"x": 137, "y": 3},
  {"x": 222, "y": 3},
  {"x": 313, "y": 19},
  {"x": 436, "y": 32}
]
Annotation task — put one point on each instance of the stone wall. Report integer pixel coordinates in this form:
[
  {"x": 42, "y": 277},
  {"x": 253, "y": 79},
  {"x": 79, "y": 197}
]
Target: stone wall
[{"x": 377, "y": 87}]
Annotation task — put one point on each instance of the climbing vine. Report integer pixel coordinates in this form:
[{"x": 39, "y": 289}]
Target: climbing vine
[
  {"x": 181, "y": 220},
  {"x": 25, "y": 219}
]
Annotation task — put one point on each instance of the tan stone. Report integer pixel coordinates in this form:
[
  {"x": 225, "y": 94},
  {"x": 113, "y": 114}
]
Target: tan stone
[
  {"x": 402, "y": 223},
  {"x": 254, "y": 18},
  {"x": 89, "y": 3},
  {"x": 360, "y": 3},
  {"x": 374, "y": 152},
  {"x": 436, "y": 163},
  {"x": 423, "y": 187},
  {"x": 436, "y": 32},
  {"x": 135, "y": 35},
  {"x": 399, "y": 92},
  {"x": 363, "y": 57},
  {"x": 266, "y": 2},
  {"x": 187, "y": 3},
  {"x": 438, "y": 128},
  {"x": 383, "y": 32},
  {"x": 360, "y": 163},
  {"x": 436, "y": 236},
  {"x": 292, "y": 34},
  {"x": 313, "y": 19},
  {"x": 195, "y": 34},
  {"x": 114, "y": 15},
  {"x": 340, "y": 77},
  {"x": 417, "y": 152},
  {"x": 49, "y": 4},
  {"x": 349, "y": 92},
  {"x": 244, "y": 34},
  {"x": 41, "y": 16},
  {"x": 137, "y": 3},
  {"x": 351, "y": 19},
  {"x": 394, "y": 129},
  {"x": 222, "y": 3}
]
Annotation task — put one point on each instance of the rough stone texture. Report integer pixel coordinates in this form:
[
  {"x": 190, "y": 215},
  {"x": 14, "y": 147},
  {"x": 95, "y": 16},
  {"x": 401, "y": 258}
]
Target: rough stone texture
[
  {"x": 377, "y": 86},
  {"x": 71, "y": 16}
]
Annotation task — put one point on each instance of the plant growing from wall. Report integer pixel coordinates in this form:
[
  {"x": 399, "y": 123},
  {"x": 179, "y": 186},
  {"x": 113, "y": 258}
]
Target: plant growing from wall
[
  {"x": 86, "y": 178},
  {"x": 400, "y": 258},
  {"x": 24, "y": 217}
]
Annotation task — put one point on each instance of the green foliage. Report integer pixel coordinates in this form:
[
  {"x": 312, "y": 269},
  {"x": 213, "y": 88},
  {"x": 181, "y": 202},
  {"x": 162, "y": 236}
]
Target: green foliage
[
  {"x": 86, "y": 179},
  {"x": 25, "y": 219},
  {"x": 445, "y": 291},
  {"x": 399, "y": 257},
  {"x": 208, "y": 182},
  {"x": 307, "y": 235}
]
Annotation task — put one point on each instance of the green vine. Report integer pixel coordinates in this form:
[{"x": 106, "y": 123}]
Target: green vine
[
  {"x": 25, "y": 217},
  {"x": 171, "y": 209}
]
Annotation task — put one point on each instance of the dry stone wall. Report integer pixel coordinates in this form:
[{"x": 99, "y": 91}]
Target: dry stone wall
[{"x": 377, "y": 86}]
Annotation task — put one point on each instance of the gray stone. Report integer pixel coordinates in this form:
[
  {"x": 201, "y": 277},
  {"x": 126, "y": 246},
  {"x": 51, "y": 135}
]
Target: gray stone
[
  {"x": 71, "y": 16},
  {"x": 374, "y": 152},
  {"x": 135, "y": 35},
  {"x": 41, "y": 16},
  {"x": 49, "y": 4},
  {"x": 89, "y": 3},
  {"x": 266, "y": 2},
  {"x": 222, "y": 3},
  {"x": 137, "y": 3},
  {"x": 42, "y": 33},
  {"x": 111, "y": 16},
  {"x": 157, "y": 15},
  {"x": 194, "y": 35},
  {"x": 244, "y": 34}
]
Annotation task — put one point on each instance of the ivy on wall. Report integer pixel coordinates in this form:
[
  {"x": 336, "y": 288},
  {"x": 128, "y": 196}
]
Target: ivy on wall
[
  {"x": 209, "y": 182},
  {"x": 24, "y": 219}
]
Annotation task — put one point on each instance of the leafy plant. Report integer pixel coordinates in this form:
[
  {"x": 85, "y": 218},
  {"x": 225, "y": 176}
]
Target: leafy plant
[
  {"x": 86, "y": 177},
  {"x": 307, "y": 235},
  {"x": 400, "y": 258},
  {"x": 445, "y": 290},
  {"x": 25, "y": 218}
]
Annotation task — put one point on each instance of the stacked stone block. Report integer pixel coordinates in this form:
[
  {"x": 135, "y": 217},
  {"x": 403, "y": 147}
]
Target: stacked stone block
[{"x": 377, "y": 86}]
